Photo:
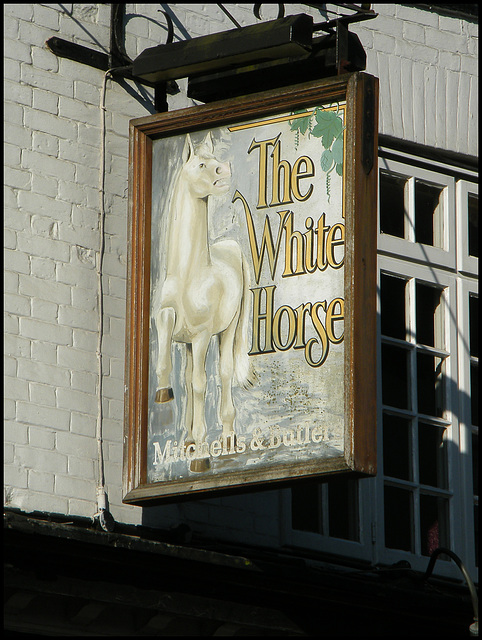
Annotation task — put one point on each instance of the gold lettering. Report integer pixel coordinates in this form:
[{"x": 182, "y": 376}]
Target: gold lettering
[
  {"x": 258, "y": 317},
  {"x": 332, "y": 317},
  {"x": 300, "y": 249},
  {"x": 300, "y": 324},
  {"x": 266, "y": 241},
  {"x": 277, "y": 328},
  {"x": 277, "y": 166},
  {"x": 320, "y": 329},
  {"x": 310, "y": 264},
  {"x": 331, "y": 242},
  {"x": 263, "y": 168},
  {"x": 321, "y": 230},
  {"x": 298, "y": 175}
]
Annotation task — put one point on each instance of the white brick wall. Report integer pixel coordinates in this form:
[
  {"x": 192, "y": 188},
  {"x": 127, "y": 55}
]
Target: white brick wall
[{"x": 428, "y": 72}]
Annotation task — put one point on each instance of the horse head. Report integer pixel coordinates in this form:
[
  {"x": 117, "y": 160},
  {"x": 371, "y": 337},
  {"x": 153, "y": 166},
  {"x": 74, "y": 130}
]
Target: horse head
[{"x": 202, "y": 172}]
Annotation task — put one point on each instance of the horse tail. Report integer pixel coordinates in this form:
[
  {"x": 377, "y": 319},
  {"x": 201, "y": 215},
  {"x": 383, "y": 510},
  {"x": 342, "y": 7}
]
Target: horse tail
[{"x": 243, "y": 367}]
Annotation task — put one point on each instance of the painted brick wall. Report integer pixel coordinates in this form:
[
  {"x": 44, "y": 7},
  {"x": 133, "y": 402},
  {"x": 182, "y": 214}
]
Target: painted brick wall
[{"x": 427, "y": 66}]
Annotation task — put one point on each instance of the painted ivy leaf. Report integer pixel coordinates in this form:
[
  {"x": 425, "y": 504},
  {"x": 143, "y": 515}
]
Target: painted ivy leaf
[
  {"x": 339, "y": 169},
  {"x": 328, "y": 127},
  {"x": 301, "y": 124},
  {"x": 326, "y": 160},
  {"x": 337, "y": 149}
]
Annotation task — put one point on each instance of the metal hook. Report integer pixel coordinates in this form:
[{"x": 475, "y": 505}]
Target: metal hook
[
  {"x": 281, "y": 10},
  {"x": 170, "y": 27}
]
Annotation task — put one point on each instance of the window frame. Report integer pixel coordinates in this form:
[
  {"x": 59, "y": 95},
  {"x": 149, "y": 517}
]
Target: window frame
[
  {"x": 466, "y": 287},
  {"x": 457, "y": 274},
  {"x": 465, "y": 263},
  {"x": 407, "y": 247},
  {"x": 354, "y": 551},
  {"x": 413, "y": 272}
]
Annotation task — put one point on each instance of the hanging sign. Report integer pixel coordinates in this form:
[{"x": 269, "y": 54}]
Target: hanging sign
[{"x": 251, "y": 291}]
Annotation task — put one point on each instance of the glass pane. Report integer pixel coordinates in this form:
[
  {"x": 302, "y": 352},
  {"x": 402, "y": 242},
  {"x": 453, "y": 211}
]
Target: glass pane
[
  {"x": 392, "y": 204},
  {"x": 393, "y": 306},
  {"x": 476, "y": 533},
  {"x": 474, "y": 325},
  {"x": 474, "y": 392},
  {"x": 429, "y": 315},
  {"x": 473, "y": 214},
  {"x": 398, "y": 519},
  {"x": 428, "y": 213},
  {"x": 430, "y": 383},
  {"x": 475, "y": 462},
  {"x": 343, "y": 508},
  {"x": 305, "y": 506},
  {"x": 432, "y": 455},
  {"x": 395, "y": 377},
  {"x": 396, "y": 447},
  {"x": 433, "y": 524}
]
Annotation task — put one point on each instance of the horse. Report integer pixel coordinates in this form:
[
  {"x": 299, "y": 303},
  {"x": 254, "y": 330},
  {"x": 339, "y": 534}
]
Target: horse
[{"x": 205, "y": 293}]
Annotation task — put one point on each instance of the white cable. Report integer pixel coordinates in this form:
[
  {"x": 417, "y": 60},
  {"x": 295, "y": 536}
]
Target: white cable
[{"x": 101, "y": 493}]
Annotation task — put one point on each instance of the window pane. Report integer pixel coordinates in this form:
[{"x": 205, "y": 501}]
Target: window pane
[
  {"x": 432, "y": 455},
  {"x": 343, "y": 508},
  {"x": 474, "y": 326},
  {"x": 428, "y": 213},
  {"x": 393, "y": 306},
  {"x": 396, "y": 447},
  {"x": 392, "y": 204},
  {"x": 474, "y": 392},
  {"x": 395, "y": 377},
  {"x": 429, "y": 315},
  {"x": 305, "y": 506},
  {"x": 475, "y": 462},
  {"x": 473, "y": 214},
  {"x": 430, "y": 380},
  {"x": 433, "y": 523},
  {"x": 398, "y": 519},
  {"x": 476, "y": 533}
]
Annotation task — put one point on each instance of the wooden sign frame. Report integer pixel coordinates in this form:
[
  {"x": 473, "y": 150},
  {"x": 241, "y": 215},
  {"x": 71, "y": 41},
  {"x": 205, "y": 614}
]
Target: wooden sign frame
[{"x": 359, "y": 94}]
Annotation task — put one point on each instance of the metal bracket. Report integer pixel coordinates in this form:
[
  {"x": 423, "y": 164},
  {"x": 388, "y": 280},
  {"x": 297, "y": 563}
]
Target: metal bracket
[{"x": 347, "y": 57}]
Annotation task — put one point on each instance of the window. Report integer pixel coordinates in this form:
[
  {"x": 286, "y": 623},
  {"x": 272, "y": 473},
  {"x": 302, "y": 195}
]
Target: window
[
  {"x": 425, "y": 494},
  {"x": 474, "y": 406},
  {"x": 417, "y": 424}
]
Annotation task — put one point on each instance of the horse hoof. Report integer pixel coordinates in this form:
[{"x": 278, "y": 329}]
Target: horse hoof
[
  {"x": 200, "y": 464},
  {"x": 164, "y": 395}
]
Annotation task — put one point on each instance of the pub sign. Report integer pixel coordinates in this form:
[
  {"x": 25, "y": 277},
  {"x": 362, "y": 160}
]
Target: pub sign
[{"x": 251, "y": 290}]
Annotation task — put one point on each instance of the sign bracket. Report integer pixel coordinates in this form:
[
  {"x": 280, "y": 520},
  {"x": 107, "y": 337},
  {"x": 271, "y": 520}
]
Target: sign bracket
[{"x": 284, "y": 50}]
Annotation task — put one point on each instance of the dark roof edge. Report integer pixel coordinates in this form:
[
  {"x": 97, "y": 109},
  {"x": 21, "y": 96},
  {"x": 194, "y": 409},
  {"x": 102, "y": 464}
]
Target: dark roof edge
[{"x": 460, "y": 160}]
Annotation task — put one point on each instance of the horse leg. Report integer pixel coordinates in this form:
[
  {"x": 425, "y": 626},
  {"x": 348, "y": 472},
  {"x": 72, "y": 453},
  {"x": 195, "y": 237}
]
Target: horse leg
[
  {"x": 226, "y": 372},
  {"x": 200, "y": 346},
  {"x": 188, "y": 382},
  {"x": 164, "y": 320}
]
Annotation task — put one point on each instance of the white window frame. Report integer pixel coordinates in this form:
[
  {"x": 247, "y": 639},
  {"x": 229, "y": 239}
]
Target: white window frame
[
  {"x": 361, "y": 550},
  {"x": 465, "y": 262},
  {"x": 466, "y": 287},
  {"x": 446, "y": 281},
  {"x": 439, "y": 267},
  {"x": 407, "y": 247}
]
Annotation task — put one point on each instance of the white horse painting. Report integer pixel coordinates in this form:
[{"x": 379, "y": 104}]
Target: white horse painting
[{"x": 204, "y": 294}]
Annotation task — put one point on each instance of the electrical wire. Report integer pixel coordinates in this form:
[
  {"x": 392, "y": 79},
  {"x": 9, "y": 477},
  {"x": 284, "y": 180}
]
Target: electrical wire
[{"x": 103, "y": 514}]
